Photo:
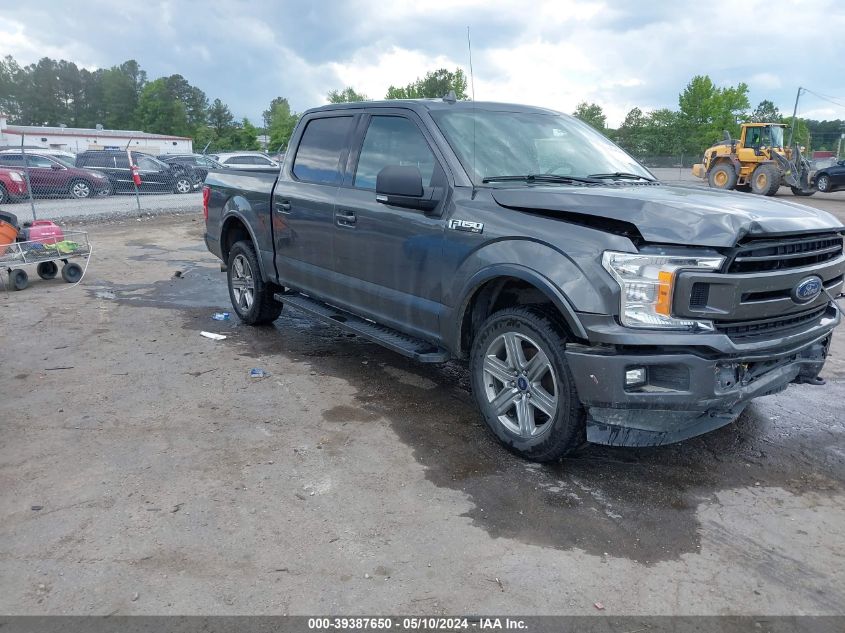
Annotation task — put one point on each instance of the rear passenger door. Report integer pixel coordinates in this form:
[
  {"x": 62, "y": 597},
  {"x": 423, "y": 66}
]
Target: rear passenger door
[
  {"x": 304, "y": 200},
  {"x": 389, "y": 258}
]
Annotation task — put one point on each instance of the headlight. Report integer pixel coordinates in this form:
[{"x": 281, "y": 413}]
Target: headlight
[
  {"x": 15, "y": 176},
  {"x": 647, "y": 283}
]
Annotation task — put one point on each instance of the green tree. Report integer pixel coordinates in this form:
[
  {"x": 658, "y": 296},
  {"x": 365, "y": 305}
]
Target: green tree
[
  {"x": 220, "y": 117},
  {"x": 160, "y": 111},
  {"x": 280, "y": 123},
  {"x": 706, "y": 110},
  {"x": 347, "y": 95},
  {"x": 434, "y": 85},
  {"x": 766, "y": 112},
  {"x": 11, "y": 80},
  {"x": 593, "y": 114}
]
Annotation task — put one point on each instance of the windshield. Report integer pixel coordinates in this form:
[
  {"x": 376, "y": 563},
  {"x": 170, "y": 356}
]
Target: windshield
[{"x": 491, "y": 144}]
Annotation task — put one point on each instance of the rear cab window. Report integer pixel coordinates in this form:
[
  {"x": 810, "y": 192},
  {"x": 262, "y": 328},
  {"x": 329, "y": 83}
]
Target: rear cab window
[{"x": 323, "y": 144}]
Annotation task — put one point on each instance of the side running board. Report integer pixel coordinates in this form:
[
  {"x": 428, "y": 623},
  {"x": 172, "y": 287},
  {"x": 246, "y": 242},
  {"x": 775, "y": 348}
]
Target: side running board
[{"x": 409, "y": 346}]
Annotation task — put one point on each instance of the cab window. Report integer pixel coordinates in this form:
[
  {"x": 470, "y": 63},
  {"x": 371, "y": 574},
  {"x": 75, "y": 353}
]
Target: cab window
[
  {"x": 392, "y": 140},
  {"x": 323, "y": 143}
]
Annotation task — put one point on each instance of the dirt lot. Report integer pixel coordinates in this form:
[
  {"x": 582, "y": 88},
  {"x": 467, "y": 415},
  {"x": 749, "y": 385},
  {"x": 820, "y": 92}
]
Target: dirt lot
[{"x": 142, "y": 470}]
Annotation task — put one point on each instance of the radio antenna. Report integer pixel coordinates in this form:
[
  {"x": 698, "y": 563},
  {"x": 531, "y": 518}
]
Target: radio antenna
[
  {"x": 472, "y": 88},
  {"x": 471, "y": 76}
]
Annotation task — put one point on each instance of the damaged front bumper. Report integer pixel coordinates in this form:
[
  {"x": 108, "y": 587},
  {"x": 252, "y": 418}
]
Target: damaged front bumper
[{"x": 685, "y": 391}]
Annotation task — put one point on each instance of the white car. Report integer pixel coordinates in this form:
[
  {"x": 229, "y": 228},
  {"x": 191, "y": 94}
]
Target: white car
[{"x": 255, "y": 161}]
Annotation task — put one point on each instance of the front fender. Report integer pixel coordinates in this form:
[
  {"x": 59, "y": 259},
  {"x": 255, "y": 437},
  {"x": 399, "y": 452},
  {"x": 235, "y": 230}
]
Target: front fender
[{"x": 554, "y": 273}]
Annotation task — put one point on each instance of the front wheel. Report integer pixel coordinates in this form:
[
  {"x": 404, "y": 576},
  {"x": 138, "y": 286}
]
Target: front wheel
[
  {"x": 722, "y": 176},
  {"x": 765, "y": 180},
  {"x": 80, "y": 189},
  {"x": 823, "y": 183},
  {"x": 252, "y": 297},
  {"x": 183, "y": 185},
  {"x": 523, "y": 386}
]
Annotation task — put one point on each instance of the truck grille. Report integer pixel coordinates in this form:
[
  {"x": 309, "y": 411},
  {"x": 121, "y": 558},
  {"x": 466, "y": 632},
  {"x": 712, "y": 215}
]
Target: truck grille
[
  {"x": 769, "y": 327},
  {"x": 769, "y": 255}
]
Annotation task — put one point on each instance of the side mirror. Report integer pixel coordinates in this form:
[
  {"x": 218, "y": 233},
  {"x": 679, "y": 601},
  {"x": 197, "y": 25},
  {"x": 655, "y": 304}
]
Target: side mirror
[{"x": 401, "y": 186}]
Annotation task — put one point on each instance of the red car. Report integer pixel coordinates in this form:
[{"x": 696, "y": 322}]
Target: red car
[
  {"x": 49, "y": 176},
  {"x": 12, "y": 185}
]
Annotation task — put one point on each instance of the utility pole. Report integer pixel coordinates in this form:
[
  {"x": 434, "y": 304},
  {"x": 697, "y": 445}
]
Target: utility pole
[{"x": 794, "y": 114}]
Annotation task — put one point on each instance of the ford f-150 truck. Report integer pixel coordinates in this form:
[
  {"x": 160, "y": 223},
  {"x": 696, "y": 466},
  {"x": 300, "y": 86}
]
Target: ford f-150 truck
[{"x": 590, "y": 300}]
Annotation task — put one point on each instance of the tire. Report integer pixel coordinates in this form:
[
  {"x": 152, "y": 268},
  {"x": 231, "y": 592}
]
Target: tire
[
  {"x": 722, "y": 176},
  {"x": 540, "y": 418},
  {"x": 183, "y": 185},
  {"x": 765, "y": 181},
  {"x": 80, "y": 189},
  {"x": 251, "y": 296},
  {"x": 103, "y": 193},
  {"x": 823, "y": 183},
  {"x": 71, "y": 272},
  {"x": 18, "y": 279},
  {"x": 47, "y": 270},
  {"x": 804, "y": 193}
]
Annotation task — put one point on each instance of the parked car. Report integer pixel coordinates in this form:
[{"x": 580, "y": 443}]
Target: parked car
[
  {"x": 12, "y": 185},
  {"x": 50, "y": 176},
  {"x": 156, "y": 176},
  {"x": 831, "y": 178},
  {"x": 64, "y": 156},
  {"x": 591, "y": 301},
  {"x": 251, "y": 161},
  {"x": 199, "y": 162}
]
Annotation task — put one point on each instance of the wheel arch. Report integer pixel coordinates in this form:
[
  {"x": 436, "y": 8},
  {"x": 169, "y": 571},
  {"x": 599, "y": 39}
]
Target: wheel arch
[
  {"x": 509, "y": 285},
  {"x": 235, "y": 228}
]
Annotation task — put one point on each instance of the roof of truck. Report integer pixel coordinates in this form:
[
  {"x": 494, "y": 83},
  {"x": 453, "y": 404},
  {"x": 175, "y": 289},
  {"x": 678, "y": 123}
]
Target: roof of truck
[{"x": 434, "y": 104}]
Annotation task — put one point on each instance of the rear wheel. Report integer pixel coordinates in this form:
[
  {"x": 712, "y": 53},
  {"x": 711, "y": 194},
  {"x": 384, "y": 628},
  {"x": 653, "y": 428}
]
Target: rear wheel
[
  {"x": 523, "y": 386},
  {"x": 823, "y": 183},
  {"x": 802, "y": 192},
  {"x": 722, "y": 176},
  {"x": 80, "y": 189},
  {"x": 252, "y": 297},
  {"x": 765, "y": 181},
  {"x": 18, "y": 279},
  {"x": 183, "y": 185},
  {"x": 47, "y": 270}
]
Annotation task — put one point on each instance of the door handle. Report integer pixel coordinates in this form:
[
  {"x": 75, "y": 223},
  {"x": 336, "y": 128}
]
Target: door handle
[
  {"x": 345, "y": 217},
  {"x": 283, "y": 207}
]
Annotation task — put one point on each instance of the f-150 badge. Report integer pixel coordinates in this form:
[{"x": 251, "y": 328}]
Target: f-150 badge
[{"x": 466, "y": 225}]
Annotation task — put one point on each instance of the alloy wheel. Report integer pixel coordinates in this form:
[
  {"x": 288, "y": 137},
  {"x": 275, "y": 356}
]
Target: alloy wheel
[
  {"x": 80, "y": 190},
  {"x": 243, "y": 284},
  {"x": 520, "y": 385}
]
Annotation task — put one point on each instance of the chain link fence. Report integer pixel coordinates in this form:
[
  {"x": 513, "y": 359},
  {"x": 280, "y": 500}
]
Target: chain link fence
[{"x": 38, "y": 183}]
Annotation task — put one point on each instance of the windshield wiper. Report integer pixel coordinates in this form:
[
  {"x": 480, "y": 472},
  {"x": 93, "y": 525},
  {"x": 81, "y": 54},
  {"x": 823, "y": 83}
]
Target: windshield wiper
[
  {"x": 621, "y": 175},
  {"x": 541, "y": 178}
]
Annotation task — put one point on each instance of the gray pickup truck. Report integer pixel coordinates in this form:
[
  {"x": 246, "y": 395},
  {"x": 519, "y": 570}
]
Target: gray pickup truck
[{"x": 591, "y": 301}]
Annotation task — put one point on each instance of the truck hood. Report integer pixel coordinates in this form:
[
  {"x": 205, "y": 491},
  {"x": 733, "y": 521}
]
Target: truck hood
[{"x": 672, "y": 214}]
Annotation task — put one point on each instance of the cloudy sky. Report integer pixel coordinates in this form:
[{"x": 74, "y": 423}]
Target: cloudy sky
[{"x": 618, "y": 53}]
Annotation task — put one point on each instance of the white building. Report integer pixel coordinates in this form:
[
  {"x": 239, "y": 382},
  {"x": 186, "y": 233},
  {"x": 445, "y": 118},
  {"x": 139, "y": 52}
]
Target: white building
[{"x": 77, "y": 140}]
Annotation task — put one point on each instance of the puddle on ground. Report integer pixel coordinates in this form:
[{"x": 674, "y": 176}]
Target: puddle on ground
[{"x": 634, "y": 503}]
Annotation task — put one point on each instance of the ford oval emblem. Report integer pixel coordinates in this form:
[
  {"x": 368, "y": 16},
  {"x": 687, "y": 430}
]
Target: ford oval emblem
[{"x": 807, "y": 289}]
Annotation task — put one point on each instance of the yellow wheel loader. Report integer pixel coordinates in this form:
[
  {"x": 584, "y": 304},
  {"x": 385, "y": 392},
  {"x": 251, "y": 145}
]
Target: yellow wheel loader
[{"x": 756, "y": 162}]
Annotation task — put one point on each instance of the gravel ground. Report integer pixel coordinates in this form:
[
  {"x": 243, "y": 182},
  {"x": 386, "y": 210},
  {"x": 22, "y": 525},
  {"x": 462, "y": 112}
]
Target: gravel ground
[
  {"x": 106, "y": 208},
  {"x": 142, "y": 471}
]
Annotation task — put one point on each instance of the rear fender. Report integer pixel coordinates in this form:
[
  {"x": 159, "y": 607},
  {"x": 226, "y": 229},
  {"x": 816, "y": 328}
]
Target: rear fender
[{"x": 238, "y": 209}]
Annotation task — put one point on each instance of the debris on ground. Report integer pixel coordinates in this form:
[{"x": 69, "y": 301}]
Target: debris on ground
[
  {"x": 220, "y": 316},
  {"x": 257, "y": 372},
  {"x": 135, "y": 596},
  {"x": 36, "y": 508},
  {"x": 213, "y": 336},
  {"x": 599, "y": 606}
]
